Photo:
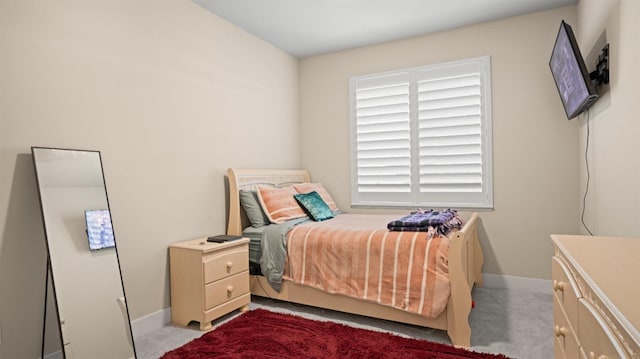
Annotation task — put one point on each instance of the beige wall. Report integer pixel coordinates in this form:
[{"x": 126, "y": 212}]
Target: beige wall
[
  {"x": 613, "y": 199},
  {"x": 170, "y": 94},
  {"x": 535, "y": 148}
]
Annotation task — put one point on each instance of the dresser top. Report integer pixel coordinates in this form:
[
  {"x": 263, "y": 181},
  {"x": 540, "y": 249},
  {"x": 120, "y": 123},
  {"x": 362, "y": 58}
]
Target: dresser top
[{"x": 612, "y": 265}]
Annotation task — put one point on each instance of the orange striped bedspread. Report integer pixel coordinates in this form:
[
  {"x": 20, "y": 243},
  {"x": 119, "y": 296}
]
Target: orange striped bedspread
[{"x": 355, "y": 255}]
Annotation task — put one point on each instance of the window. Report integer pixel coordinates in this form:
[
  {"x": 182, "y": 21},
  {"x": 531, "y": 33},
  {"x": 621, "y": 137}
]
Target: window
[{"x": 421, "y": 137}]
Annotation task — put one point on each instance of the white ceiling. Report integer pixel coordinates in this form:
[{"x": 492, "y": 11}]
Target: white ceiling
[{"x": 310, "y": 27}]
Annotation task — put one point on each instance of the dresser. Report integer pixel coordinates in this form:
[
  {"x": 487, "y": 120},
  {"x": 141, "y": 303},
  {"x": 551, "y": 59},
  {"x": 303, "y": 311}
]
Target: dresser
[
  {"x": 208, "y": 280},
  {"x": 596, "y": 297}
]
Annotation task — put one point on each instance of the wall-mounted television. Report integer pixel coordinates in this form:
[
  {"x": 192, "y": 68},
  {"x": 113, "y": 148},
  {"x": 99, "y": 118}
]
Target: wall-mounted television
[
  {"x": 577, "y": 91},
  {"x": 99, "y": 229}
]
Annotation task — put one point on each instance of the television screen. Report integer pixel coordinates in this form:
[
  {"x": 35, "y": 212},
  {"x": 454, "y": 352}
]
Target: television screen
[
  {"x": 99, "y": 229},
  {"x": 576, "y": 89}
]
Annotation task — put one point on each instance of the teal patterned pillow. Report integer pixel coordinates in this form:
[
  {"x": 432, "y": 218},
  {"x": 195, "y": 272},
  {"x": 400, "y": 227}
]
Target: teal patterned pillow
[{"x": 313, "y": 204}]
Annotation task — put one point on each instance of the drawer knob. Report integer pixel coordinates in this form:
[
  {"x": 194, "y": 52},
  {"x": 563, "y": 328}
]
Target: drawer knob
[
  {"x": 229, "y": 265},
  {"x": 559, "y": 331},
  {"x": 558, "y": 285},
  {"x": 230, "y": 290}
]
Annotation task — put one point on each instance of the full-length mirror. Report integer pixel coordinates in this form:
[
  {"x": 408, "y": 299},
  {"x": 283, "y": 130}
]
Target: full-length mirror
[{"x": 85, "y": 270}]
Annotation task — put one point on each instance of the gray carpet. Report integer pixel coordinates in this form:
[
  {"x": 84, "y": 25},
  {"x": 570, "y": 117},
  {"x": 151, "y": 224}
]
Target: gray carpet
[{"x": 517, "y": 323}]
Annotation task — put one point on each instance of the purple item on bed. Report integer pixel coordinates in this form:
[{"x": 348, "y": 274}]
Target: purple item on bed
[
  {"x": 423, "y": 219},
  {"x": 440, "y": 222},
  {"x": 409, "y": 228}
]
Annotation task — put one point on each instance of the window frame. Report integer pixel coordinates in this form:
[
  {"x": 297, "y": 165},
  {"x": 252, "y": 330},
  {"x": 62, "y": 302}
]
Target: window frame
[{"x": 415, "y": 198}]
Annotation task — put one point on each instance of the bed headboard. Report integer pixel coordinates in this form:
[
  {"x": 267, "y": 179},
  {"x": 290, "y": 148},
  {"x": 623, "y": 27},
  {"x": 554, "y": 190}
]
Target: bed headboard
[{"x": 247, "y": 179}]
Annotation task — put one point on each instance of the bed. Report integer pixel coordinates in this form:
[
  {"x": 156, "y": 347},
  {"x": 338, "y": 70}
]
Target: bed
[{"x": 463, "y": 256}]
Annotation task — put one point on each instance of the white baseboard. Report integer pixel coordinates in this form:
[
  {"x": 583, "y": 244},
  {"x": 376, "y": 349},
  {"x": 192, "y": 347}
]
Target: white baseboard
[
  {"x": 150, "y": 323},
  {"x": 512, "y": 282}
]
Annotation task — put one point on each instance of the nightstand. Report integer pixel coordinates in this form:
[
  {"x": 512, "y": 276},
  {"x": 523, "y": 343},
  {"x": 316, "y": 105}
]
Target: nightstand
[{"x": 208, "y": 280}]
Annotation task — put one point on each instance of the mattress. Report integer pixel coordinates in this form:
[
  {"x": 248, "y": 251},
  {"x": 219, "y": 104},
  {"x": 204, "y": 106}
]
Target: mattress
[{"x": 357, "y": 256}]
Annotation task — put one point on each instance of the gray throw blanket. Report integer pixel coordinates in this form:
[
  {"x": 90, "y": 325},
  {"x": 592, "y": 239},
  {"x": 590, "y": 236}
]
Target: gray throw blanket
[{"x": 274, "y": 251}]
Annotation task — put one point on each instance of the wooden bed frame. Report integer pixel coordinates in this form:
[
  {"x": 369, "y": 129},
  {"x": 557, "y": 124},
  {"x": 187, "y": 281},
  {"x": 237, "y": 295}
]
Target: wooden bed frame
[{"x": 465, "y": 263}]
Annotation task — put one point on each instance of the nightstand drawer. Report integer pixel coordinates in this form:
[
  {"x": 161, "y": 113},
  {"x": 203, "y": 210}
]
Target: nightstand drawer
[
  {"x": 222, "y": 264},
  {"x": 226, "y": 289}
]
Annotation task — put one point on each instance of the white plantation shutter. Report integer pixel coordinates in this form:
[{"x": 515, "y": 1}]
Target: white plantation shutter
[
  {"x": 422, "y": 137},
  {"x": 382, "y": 134}
]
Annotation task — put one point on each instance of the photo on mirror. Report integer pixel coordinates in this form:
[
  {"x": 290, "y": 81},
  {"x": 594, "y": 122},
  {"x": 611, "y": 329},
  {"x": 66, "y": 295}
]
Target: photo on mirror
[{"x": 99, "y": 229}]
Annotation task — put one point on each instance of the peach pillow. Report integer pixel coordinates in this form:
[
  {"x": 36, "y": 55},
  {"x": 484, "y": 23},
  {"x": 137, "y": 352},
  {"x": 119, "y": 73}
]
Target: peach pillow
[
  {"x": 318, "y": 187},
  {"x": 279, "y": 204}
]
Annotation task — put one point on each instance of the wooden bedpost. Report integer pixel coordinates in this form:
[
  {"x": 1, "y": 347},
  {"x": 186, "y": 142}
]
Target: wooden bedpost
[
  {"x": 234, "y": 227},
  {"x": 478, "y": 259},
  {"x": 464, "y": 271}
]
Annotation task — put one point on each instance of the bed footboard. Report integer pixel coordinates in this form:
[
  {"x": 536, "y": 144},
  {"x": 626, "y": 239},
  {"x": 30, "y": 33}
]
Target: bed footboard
[{"x": 465, "y": 264}]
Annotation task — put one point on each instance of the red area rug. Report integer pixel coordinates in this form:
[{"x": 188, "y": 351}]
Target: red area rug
[{"x": 263, "y": 334}]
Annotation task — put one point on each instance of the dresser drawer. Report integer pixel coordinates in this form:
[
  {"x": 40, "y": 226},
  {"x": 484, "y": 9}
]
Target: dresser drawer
[
  {"x": 226, "y": 289},
  {"x": 613, "y": 323},
  {"x": 222, "y": 264},
  {"x": 596, "y": 338},
  {"x": 566, "y": 342},
  {"x": 565, "y": 289}
]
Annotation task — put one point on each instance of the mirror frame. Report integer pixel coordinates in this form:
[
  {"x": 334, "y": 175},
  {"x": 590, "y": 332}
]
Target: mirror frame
[{"x": 50, "y": 271}]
